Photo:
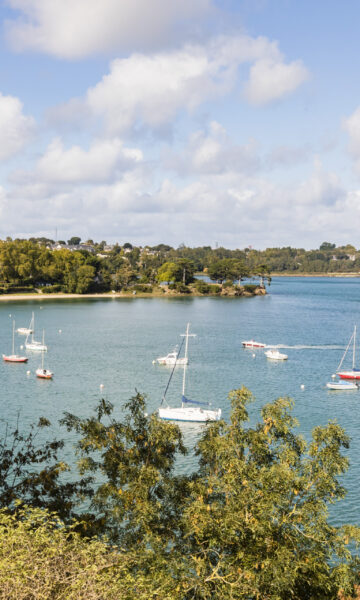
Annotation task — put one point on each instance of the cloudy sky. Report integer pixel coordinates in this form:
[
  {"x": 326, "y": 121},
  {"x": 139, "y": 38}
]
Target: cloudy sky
[{"x": 203, "y": 122}]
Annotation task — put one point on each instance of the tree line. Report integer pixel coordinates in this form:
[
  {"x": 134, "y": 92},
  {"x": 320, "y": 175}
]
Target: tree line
[
  {"x": 251, "y": 523},
  {"x": 84, "y": 268}
]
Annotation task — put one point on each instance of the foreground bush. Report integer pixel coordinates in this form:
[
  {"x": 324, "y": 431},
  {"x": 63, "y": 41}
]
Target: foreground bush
[{"x": 250, "y": 524}]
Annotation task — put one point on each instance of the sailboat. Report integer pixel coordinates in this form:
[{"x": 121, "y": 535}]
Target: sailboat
[
  {"x": 352, "y": 373},
  {"x": 190, "y": 410},
  {"x": 43, "y": 373},
  {"x": 15, "y": 358},
  {"x": 33, "y": 344},
  {"x": 25, "y": 330}
]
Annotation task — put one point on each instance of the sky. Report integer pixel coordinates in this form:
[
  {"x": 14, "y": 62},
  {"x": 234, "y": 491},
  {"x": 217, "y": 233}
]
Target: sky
[{"x": 229, "y": 123}]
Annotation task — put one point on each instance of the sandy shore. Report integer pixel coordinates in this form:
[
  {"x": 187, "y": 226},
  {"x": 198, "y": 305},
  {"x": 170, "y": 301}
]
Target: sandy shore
[{"x": 41, "y": 297}]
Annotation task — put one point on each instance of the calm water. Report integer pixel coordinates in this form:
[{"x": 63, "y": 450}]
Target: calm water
[{"x": 112, "y": 342}]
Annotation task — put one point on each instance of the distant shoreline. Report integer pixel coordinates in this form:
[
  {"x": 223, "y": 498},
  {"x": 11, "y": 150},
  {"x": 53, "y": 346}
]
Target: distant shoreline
[{"x": 315, "y": 274}]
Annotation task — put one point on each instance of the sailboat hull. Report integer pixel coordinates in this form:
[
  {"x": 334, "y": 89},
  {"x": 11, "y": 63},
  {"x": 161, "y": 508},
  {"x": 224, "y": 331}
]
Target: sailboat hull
[
  {"x": 189, "y": 413},
  {"x": 14, "y": 358},
  {"x": 44, "y": 374},
  {"x": 353, "y": 374}
]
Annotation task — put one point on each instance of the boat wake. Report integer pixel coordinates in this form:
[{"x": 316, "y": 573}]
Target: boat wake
[{"x": 307, "y": 347}]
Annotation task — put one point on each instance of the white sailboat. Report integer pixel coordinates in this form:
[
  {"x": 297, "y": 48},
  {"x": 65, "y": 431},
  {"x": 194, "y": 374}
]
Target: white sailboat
[
  {"x": 43, "y": 373},
  {"x": 25, "y": 330},
  {"x": 33, "y": 344},
  {"x": 15, "y": 358},
  {"x": 190, "y": 410}
]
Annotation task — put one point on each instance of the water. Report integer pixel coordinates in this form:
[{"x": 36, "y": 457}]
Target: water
[{"x": 112, "y": 342}]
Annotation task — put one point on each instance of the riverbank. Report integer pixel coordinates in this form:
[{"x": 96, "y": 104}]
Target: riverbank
[
  {"x": 292, "y": 274},
  {"x": 156, "y": 293}
]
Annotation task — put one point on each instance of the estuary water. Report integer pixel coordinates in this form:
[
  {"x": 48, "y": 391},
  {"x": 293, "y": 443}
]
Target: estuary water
[{"x": 112, "y": 342}]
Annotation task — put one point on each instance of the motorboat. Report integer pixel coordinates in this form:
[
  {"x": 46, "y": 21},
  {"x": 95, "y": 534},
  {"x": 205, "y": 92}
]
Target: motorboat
[
  {"x": 275, "y": 355},
  {"x": 190, "y": 410},
  {"x": 342, "y": 385},
  {"x": 14, "y": 358},
  {"x": 171, "y": 359},
  {"x": 253, "y": 344}
]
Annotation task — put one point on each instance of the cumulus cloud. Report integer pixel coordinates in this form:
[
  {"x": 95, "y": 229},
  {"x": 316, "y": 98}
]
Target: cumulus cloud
[
  {"x": 352, "y": 126},
  {"x": 152, "y": 89},
  {"x": 79, "y": 28},
  {"x": 214, "y": 152},
  {"x": 272, "y": 79},
  {"x": 15, "y": 127},
  {"x": 234, "y": 209},
  {"x": 102, "y": 162}
]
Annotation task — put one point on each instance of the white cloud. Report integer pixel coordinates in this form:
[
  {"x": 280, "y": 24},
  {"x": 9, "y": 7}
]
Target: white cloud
[
  {"x": 352, "y": 126},
  {"x": 272, "y": 79},
  {"x": 151, "y": 89},
  {"x": 78, "y": 28},
  {"x": 230, "y": 208},
  {"x": 213, "y": 152},
  {"x": 102, "y": 162},
  {"x": 15, "y": 127}
]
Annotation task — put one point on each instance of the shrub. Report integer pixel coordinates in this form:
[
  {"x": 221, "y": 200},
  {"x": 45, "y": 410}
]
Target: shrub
[
  {"x": 140, "y": 287},
  {"x": 202, "y": 287},
  {"x": 250, "y": 287}
]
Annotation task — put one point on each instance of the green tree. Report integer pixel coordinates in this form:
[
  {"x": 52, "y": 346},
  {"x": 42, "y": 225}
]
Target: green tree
[
  {"x": 256, "y": 523},
  {"x": 138, "y": 499},
  {"x": 227, "y": 269}
]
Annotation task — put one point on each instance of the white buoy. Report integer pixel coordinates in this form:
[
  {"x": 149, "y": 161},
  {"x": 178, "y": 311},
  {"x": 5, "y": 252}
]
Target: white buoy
[
  {"x": 28, "y": 372},
  {"x": 21, "y": 347},
  {"x": 59, "y": 330},
  {"x": 254, "y": 355},
  {"x": 333, "y": 376},
  {"x": 302, "y": 386},
  {"x": 101, "y": 386}
]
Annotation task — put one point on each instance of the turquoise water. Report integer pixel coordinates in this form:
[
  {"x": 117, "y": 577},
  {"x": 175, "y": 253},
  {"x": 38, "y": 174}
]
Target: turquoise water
[{"x": 112, "y": 342}]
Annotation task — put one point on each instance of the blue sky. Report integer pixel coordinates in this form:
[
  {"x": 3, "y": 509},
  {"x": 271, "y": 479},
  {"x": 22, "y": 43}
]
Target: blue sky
[{"x": 191, "y": 121}]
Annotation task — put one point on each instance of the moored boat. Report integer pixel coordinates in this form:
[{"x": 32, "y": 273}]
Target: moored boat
[
  {"x": 275, "y": 355},
  {"x": 41, "y": 372},
  {"x": 190, "y": 410},
  {"x": 34, "y": 344},
  {"x": 352, "y": 373},
  {"x": 171, "y": 359},
  {"x": 342, "y": 385},
  {"x": 14, "y": 358}
]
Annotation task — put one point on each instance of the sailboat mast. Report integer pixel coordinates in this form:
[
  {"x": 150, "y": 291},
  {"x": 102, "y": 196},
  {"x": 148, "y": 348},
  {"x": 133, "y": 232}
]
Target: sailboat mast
[
  {"x": 186, "y": 355},
  {"x": 353, "y": 366},
  {"x": 42, "y": 352},
  {"x": 13, "y": 338}
]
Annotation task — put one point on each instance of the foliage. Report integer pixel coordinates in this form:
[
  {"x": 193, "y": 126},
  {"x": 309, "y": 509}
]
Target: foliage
[
  {"x": 202, "y": 287},
  {"x": 250, "y": 524},
  {"x": 250, "y": 288},
  {"x": 227, "y": 269},
  {"x": 135, "y": 462},
  {"x": 30, "y": 469}
]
